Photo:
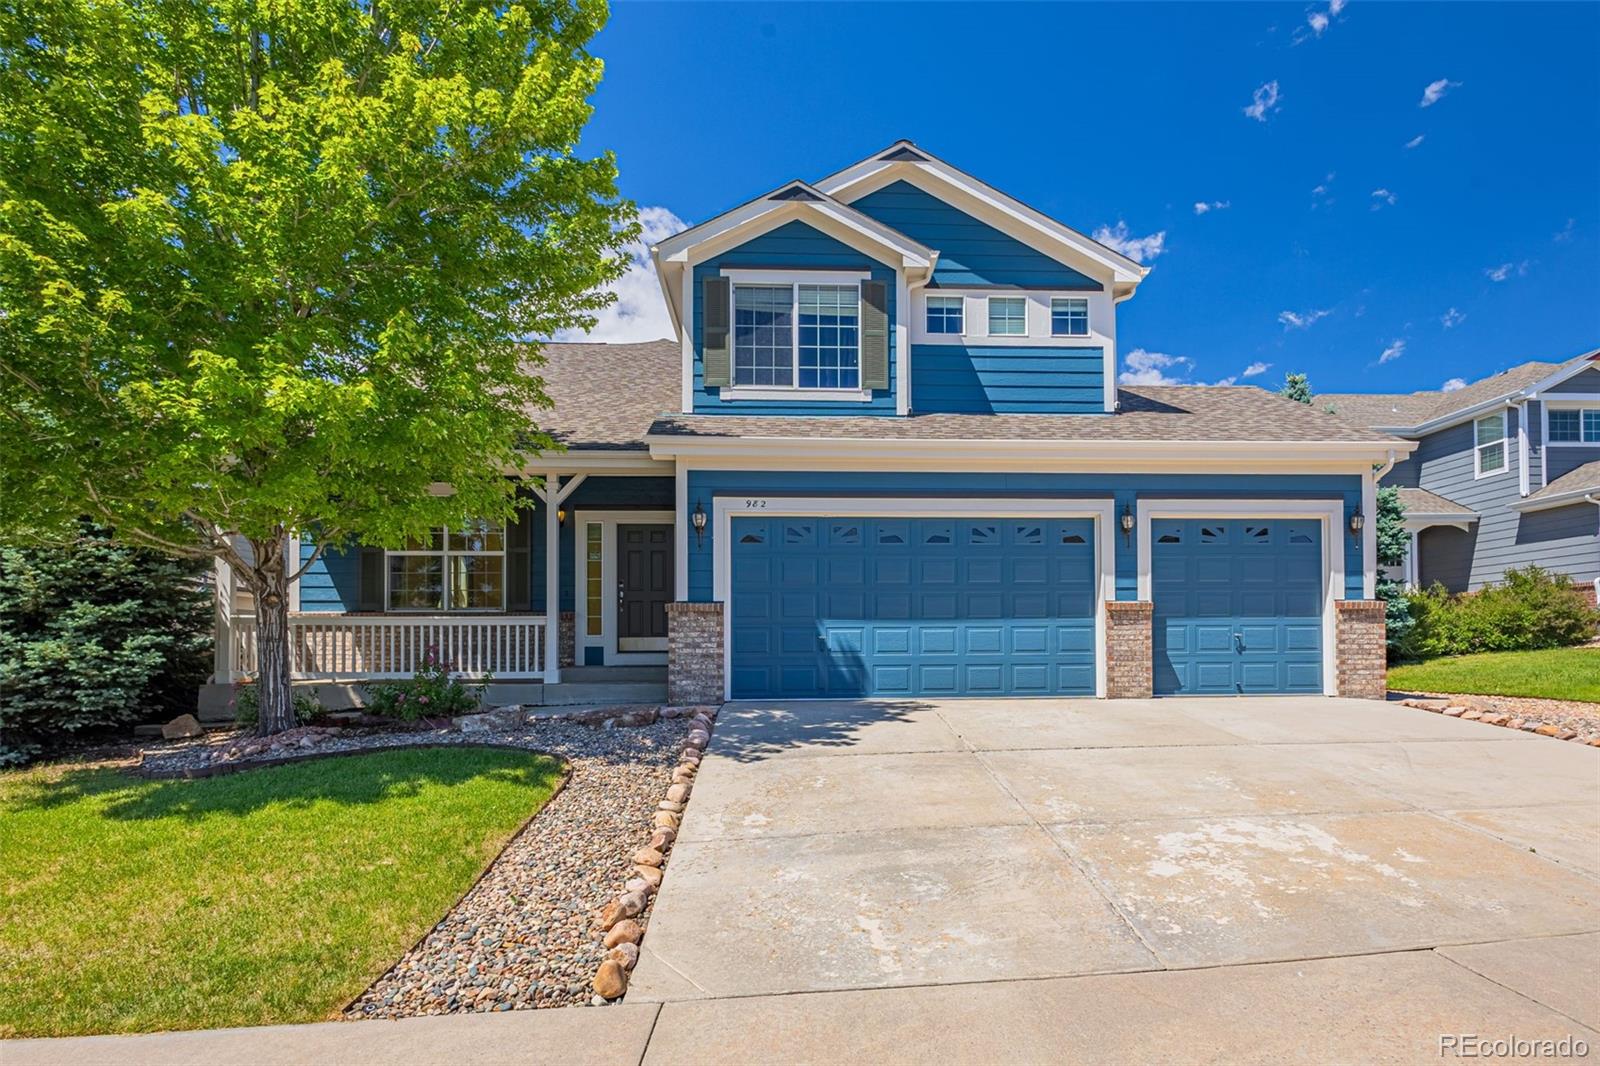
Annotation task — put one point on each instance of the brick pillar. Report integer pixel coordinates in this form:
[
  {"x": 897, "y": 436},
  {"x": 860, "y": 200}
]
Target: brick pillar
[
  {"x": 694, "y": 653},
  {"x": 1362, "y": 654},
  {"x": 1130, "y": 673},
  {"x": 568, "y": 638}
]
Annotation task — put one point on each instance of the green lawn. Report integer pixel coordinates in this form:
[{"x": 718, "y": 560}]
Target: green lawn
[
  {"x": 266, "y": 896},
  {"x": 1554, "y": 673}
]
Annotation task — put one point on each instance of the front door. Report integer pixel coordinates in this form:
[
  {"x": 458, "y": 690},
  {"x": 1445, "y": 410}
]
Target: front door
[{"x": 644, "y": 586}]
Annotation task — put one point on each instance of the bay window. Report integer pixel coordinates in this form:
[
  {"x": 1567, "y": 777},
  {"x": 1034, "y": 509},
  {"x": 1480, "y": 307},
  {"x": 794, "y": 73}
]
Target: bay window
[
  {"x": 797, "y": 335},
  {"x": 456, "y": 570},
  {"x": 1489, "y": 444}
]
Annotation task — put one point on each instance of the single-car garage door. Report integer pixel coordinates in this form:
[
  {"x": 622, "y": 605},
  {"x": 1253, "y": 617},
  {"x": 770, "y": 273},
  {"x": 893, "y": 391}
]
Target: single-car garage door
[
  {"x": 1238, "y": 605},
  {"x": 849, "y": 607}
]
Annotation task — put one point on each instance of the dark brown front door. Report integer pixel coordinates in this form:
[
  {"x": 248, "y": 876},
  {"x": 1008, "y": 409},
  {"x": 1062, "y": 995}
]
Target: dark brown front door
[{"x": 644, "y": 587}]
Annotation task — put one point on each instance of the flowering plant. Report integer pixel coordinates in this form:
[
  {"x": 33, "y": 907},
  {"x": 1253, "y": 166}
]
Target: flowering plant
[{"x": 433, "y": 691}]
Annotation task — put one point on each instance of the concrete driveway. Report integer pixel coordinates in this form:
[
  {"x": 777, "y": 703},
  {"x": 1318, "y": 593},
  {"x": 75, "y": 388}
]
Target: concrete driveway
[{"x": 863, "y": 845}]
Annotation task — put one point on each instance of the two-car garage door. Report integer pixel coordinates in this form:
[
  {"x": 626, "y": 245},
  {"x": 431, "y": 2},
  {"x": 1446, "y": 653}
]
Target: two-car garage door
[{"x": 884, "y": 606}]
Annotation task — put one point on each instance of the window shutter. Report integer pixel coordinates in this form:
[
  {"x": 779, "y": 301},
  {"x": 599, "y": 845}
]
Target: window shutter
[
  {"x": 874, "y": 335},
  {"x": 716, "y": 348},
  {"x": 370, "y": 594},
  {"x": 519, "y": 552}
]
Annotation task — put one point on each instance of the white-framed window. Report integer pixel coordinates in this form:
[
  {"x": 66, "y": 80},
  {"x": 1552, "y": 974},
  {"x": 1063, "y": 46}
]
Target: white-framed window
[
  {"x": 459, "y": 570},
  {"x": 1069, "y": 316},
  {"x": 798, "y": 335},
  {"x": 1489, "y": 444},
  {"x": 1008, "y": 316},
  {"x": 1574, "y": 425},
  {"x": 947, "y": 315}
]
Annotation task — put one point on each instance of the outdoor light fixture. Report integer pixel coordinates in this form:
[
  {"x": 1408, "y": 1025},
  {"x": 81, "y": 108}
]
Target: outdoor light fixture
[
  {"x": 1127, "y": 522},
  {"x": 561, "y": 516},
  {"x": 1356, "y": 522},
  {"x": 699, "y": 520}
]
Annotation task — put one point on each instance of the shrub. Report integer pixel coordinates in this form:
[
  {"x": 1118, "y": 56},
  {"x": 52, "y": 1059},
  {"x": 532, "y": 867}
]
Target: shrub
[
  {"x": 433, "y": 692},
  {"x": 95, "y": 635},
  {"x": 246, "y": 705},
  {"x": 1531, "y": 608}
]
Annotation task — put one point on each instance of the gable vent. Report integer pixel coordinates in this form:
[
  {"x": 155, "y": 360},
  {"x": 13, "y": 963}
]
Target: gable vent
[
  {"x": 903, "y": 155},
  {"x": 795, "y": 192}
]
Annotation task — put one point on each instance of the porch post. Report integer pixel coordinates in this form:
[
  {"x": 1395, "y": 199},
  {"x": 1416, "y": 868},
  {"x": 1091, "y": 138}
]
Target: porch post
[
  {"x": 1413, "y": 570},
  {"x": 222, "y": 650},
  {"x": 552, "y": 580}
]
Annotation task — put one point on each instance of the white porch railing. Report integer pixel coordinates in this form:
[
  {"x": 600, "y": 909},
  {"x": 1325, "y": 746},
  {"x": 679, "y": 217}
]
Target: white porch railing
[{"x": 329, "y": 647}]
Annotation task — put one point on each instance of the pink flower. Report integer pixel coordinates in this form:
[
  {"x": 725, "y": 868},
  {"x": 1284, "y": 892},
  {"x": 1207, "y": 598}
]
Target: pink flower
[{"x": 422, "y": 699}]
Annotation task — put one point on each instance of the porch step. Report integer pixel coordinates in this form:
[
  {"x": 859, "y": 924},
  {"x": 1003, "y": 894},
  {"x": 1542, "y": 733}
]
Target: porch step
[{"x": 569, "y": 693}]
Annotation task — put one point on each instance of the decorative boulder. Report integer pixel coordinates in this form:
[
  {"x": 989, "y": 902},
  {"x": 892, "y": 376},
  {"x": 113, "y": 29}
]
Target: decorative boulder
[
  {"x": 626, "y": 931},
  {"x": 185, "y": 725},
  {"x": 610, "y": 980}
]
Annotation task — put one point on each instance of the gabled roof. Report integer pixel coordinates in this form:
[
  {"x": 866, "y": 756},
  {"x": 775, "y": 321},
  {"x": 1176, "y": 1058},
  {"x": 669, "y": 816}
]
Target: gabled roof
[
  {"x": 1575, "y": 486},
  {"x": 1412, "y": 412},
  {"x": 905, "y": 159}
]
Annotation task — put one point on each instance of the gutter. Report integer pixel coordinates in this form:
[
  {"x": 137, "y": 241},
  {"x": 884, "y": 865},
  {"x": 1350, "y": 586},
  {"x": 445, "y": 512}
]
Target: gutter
[
  {"x": 1564, "y": 499},
  {"x": 1105, "y": 452}
]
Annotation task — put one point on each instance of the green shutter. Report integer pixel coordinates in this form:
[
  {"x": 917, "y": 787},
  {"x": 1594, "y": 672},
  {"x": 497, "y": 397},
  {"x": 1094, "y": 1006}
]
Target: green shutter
[
  {"x": 369, "y": 596},
  {"x": 874, "y": 335},
  {"x": 716, "y": 348},
  {"x": 519, "y": 551}
]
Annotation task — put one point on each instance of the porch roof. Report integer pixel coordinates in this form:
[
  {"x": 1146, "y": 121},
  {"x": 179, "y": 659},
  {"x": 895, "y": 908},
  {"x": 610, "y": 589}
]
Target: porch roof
[{"x": 606, "y": 395}]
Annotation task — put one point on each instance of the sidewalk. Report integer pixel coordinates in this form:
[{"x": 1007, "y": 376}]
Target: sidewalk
[{"x": 1393, "y": 1007}]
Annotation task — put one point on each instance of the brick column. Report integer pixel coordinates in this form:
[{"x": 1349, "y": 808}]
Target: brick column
[
  {"x": 1362, "y": 653},
  {"x": 1130, "y": 672},
  {"x": 569, "y": 643},
  {"x": 694, "y": 653}
]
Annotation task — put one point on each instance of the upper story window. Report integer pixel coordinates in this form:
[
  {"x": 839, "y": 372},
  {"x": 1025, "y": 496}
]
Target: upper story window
[
  {"x": 462, "y": 570},
  {"x": 805, "y": 336},
  {"x": 1069, "y": 317},
  {"x": 1489, "y": 444},
  {"x": 1573, "y": 425},
  {"x": 947, "y": 314},
  {"x": 1008, "y": 316}
]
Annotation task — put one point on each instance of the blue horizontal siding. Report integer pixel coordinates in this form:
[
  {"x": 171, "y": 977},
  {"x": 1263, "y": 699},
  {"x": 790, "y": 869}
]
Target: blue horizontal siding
[
  {"x": 1125, "y": 490},
  {"x": 971, "y": 252},
  {"x": 796, "y": 245},
  {"x": 1587, "y": 381},
  {"x": 1007, "y": 380},
  {"x": 332, "y": 583}
]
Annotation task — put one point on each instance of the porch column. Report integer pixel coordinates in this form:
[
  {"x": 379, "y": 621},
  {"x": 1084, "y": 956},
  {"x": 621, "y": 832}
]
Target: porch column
[
  {"x": 1413, "y": 570},
  {"x": 552, "y": 580},
  {"x": 222, "y": 650}
]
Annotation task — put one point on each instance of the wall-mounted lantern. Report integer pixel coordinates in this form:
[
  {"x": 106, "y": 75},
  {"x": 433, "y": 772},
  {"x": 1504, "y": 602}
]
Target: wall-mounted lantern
[
  {"x": 1127, "y": 524},
  {"x": 699, "y": 520},
  {"x": 1357, "y": 520}
]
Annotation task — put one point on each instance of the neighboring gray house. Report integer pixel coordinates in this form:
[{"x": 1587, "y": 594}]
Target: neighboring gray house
[{"x": 1506, "y": 472}]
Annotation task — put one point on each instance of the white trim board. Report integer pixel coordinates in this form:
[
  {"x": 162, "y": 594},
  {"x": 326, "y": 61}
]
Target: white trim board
[
  {"x": 608, "y": 520},
  {"x": 1100, "y": 509},
  {"x": 1331, "y": 514}
]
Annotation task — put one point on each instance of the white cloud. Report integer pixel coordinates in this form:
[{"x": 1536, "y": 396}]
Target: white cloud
[
  {"x": 1263, "y": 101},
  {"x": 1565, "y": 233},
  {"x": 1452, "y": 318},
  {"x": 1396, "y": 349},
  {"x": 1203, "y": 206},
  {"x": 1436, "y": 90},
  {"x": 1318, "y": 21},
  {"x": 1256, "y": 368},
  {"x": 1151, "y": 368},
  {"x": 1453, "y": 385},
  {"x": 639, "y": 313},
  {"x": 1322, "y": 193},
  {"x": 1224, "y": 382},
  {"x": 1505, "y": 270},
  {"x": 1413, "y": 142},
  {"x": 1302, "y": 319},
  {"x": 1382, "y": 198},
  {"x": 1138, "y": 249}
]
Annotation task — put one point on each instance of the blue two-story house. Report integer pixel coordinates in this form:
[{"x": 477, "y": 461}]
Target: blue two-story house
[
  {"x": 1506, "y": 473},
  {"x": 886, "y": 454}
]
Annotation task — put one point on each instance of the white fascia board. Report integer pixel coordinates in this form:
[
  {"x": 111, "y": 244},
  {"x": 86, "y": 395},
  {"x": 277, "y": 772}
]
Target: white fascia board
[
  {"x": 1571, "y": 369},
  {"x": 579, "y": 461},
  {"x": 1564, "y": 499},
  {"x": 1529, "y": 392},
  {"x": 1099, "y": 455},
  {"x": 668, "y": 275},
  {"x": 872, "y": 173}
]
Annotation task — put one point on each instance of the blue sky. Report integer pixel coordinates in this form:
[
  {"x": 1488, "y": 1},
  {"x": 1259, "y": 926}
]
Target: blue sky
[{"x": 1396, "y": 195}]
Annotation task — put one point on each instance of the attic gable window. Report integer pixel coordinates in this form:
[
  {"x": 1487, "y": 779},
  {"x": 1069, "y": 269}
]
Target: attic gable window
[
  {"x": 797, "y": 335},
  {"x": 1008, "y": 316},
  {"x": 1489, "y": 444}
]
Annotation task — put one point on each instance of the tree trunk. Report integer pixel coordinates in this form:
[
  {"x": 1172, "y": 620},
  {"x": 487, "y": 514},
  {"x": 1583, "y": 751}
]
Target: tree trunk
[{"x": 270, "y": 583}]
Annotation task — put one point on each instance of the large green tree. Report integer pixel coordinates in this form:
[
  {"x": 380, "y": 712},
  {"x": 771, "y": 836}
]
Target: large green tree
[{"x": 266, "y": 266}]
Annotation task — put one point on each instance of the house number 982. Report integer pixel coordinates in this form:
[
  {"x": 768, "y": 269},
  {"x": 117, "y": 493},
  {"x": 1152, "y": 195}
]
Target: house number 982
[{"x": 754, "y": 505}]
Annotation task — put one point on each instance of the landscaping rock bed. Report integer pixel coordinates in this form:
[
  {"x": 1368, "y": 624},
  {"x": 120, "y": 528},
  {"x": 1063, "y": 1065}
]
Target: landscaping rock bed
[
  {"x": 1561, "y": 719},
  {"x": 525, "y": 935}
]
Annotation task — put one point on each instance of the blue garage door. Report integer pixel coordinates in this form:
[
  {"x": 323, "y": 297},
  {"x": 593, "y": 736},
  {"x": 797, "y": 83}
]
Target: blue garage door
[
  {"x": 912, "y": 607},
  {"x": 1238, "y": 606}
]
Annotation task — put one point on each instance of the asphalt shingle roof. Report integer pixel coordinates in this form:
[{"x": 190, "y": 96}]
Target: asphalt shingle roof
[
  {"x": 1585, "y": 478},
  {"x": 607, "y": 395},
  {"x": 1421, "y": 501},
  {"x": 1406, "y": 409}
]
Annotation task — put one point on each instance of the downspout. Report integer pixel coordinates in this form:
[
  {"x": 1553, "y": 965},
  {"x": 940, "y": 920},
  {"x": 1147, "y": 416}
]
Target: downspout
[{"x": 1522, "y": 445}]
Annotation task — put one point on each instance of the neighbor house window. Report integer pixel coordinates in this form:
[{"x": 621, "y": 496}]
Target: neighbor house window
[
  {"x": 946, "y": 314},
  {"x": 784, "y": 335},
  {"x": 1069, "y": 317},
  {"x": 1489, "y": 436},
  {"x": 1574, "y": 426},
  {"x": 1008, "y": 316},
  {"x": 464, "y": 570}
]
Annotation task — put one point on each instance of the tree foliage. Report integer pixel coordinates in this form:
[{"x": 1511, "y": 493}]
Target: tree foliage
[
  {"x": 270, "y": 267},
  {"x": 1393, "y": 544},
  {"x": 1296, "y": 387},
  {"x": 94, "y": 635}
]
